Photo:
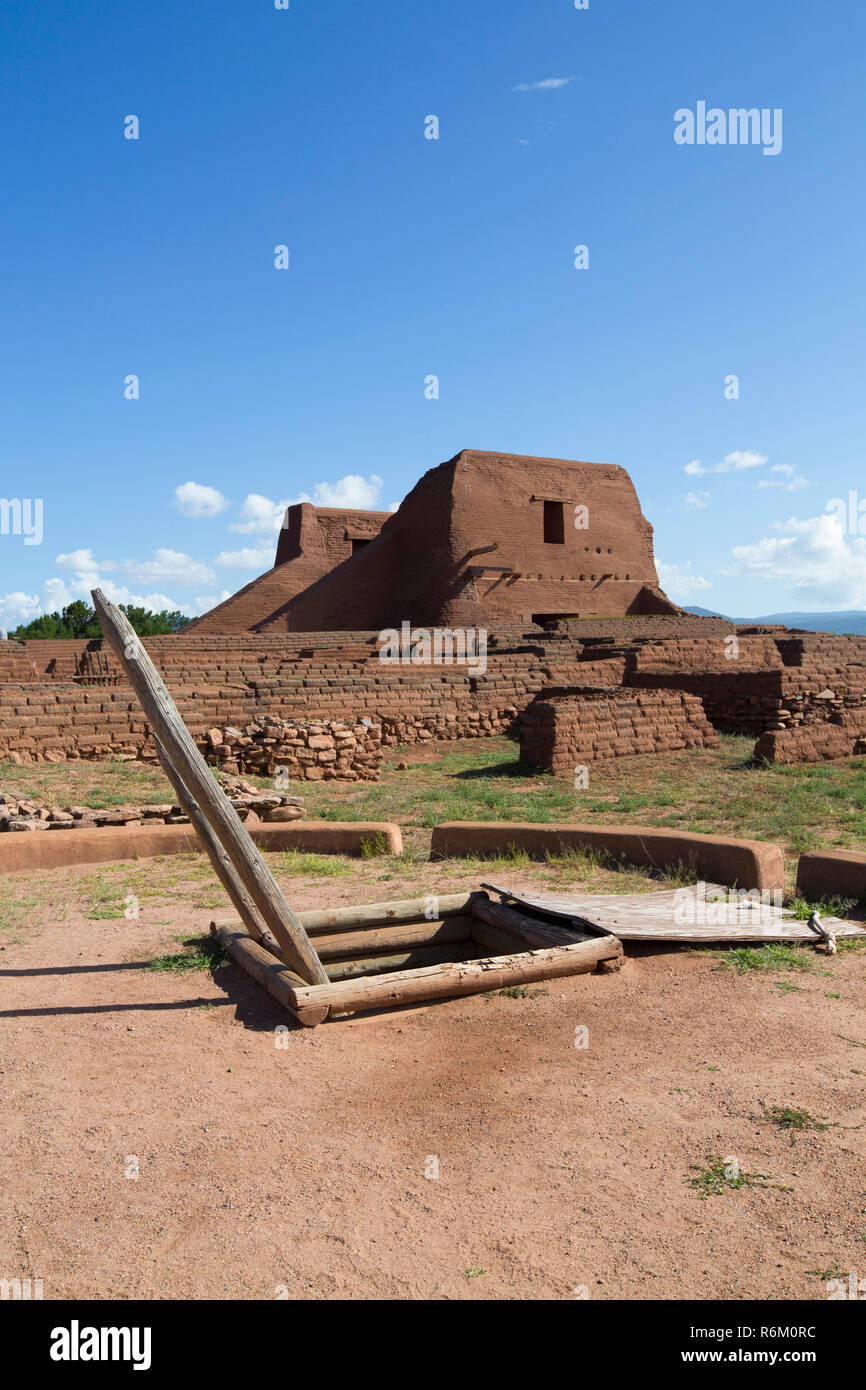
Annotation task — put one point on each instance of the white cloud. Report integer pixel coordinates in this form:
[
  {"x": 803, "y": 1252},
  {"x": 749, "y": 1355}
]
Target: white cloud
[
  {"x": 679, "y": 582},
  {"x": 166, "y": 567},
  {"x": 250, "y": 558},
  {"x": 361, "y": 494},
  {"x": 204, "y": 602},
  {"x": 84, "y": 573},
  {"x": 696, "y": 501},
  {"x": 736, "y": 462},
  {"x": 820, "y": 565},
  {"x": 154, "y": 600},
  {"x": 740, "y": 459},
  {"x": 83, "y": 560},
  {"x": 790, "y": 480},
  {"x": 19, "y": 607},
  {"x": 549, "y": 84},
  {"x": 259, "y": 516},
  {"x": 196, "y": 500}
]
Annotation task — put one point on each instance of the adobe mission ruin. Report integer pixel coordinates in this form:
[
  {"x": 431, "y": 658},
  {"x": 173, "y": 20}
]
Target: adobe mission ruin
[{"x": 586, "y": 658}]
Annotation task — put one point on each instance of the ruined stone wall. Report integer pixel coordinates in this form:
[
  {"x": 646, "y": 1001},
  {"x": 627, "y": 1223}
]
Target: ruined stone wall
[
  {"x": 314, "y": 752},
  {"x": 234, "y": 680},
  {"x": 54, "y": 720},
  {"x": 567, "y": 730},
  {"x": 703, "y": 653},
  {"x": 745, "y": 702},
  {"x": 820, "y": 648},
  {"x": 813, "y": 743}
]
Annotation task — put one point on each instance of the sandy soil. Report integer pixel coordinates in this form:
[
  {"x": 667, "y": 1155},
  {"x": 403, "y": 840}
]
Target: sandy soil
[{"x": 295, "y": 1163}]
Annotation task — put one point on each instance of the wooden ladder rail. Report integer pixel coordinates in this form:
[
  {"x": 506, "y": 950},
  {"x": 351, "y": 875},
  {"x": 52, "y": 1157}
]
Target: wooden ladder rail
[{"x": 195, "y": 784}]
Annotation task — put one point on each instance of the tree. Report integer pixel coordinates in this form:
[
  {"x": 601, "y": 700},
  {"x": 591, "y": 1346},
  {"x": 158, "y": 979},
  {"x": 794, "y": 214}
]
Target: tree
[{"x": 79, "y": 620}]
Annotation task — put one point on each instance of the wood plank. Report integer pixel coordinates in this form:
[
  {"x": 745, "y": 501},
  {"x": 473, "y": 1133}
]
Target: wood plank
[
  {"x": 657, "y": 916},
  {"x": 386, "y": 940},
  {"x": 492, "y": 940},
  {"x": 469, "y": 977},
  {"x": 524, "y": 928},
  {"x": 433, "y": 908},
  {"x": 345, "y": 944},
  {"x": 406, "y": 960},
  {"x": 193, "y": 773},
  {"x": 222, "y": 865},
  {"x": 278, "y": 980}
]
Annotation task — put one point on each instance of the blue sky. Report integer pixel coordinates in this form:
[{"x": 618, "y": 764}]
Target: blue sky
[{"x": 412, "y": 257}]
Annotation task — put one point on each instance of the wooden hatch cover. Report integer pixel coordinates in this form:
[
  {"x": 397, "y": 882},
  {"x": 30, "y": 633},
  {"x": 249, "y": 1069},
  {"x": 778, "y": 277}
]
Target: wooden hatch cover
[{"x": 699, "y": 912}]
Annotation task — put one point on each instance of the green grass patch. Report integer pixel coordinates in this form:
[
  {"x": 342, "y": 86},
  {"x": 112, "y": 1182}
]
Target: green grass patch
[
  {"x": 200, "y": 953},
  {"x": 293, "y": 862},
  {"x": 724, "y": 1175},
  {"x": 100, "y": 785},
  {"x": 18, "y": 908},
  {"x": 520, "y": 992},
  {"x": 792, "y": 1117},
  {"x": 802, "y": 908},
  {"x": 375, "y": 846},
  {"x": 773, "y": 955}
]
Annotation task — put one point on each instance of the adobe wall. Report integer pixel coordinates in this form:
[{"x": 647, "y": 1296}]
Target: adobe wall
[
  {"x": 812, "y": 743},
  {"x": 743, "y": 701},
  {"x": 741, "y": 863},
  {"x": 708, "y": 653},
  {"x": 312, "y": 542},
  {"x": 235, "y": 679},
  {"x": 563, "y": 730},
  {"x": 467, "y": 547},
  {"x": 55, "y": 720}
]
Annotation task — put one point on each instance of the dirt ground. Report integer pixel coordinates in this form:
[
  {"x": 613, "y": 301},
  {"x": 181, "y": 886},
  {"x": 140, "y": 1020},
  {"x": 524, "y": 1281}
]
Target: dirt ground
[{"x": 303, "y": 1163}]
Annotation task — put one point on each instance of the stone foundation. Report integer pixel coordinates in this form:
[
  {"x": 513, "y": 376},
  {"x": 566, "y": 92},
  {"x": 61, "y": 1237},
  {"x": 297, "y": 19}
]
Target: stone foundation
[
  {"x": 20, "y": 813},
  {"x": 313, "y": 752}
]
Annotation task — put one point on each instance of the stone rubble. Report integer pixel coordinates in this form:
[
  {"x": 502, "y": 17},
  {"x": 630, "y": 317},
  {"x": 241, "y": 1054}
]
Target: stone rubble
[{"x": 20, "y": 813}]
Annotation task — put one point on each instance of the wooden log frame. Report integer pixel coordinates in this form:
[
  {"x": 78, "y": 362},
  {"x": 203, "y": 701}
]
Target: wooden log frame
[
  {"x": 241, "y": 862},
  {"x": 449, "y": 980},
  {"x": 378, "y": 966},
  {"x": 435, "y": 906},
  {"x": 370, "y": 941}
]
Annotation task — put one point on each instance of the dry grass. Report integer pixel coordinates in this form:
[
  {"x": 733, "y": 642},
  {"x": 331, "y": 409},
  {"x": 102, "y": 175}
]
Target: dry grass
[
  {"x": 711, "y": 791},
  {"x": 100, "y": 785}
]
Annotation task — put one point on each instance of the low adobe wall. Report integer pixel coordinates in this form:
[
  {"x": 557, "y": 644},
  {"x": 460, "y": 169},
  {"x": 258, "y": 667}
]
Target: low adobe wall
[
  {"x": 747, "y": 701},
  {"x": 47, "y": 851},
  {"x": 832, "y": 873},
  {"x": 575, "y": 727},
  {"x": 717, "y": 653},
  {"x": 810, "y": 743},
  {"x": 744, "y": 863}
]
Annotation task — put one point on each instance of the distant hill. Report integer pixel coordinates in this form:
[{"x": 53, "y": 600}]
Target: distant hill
[
  {"x": 853, "y": 621},
  {"x": 708, "y": 613}
]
